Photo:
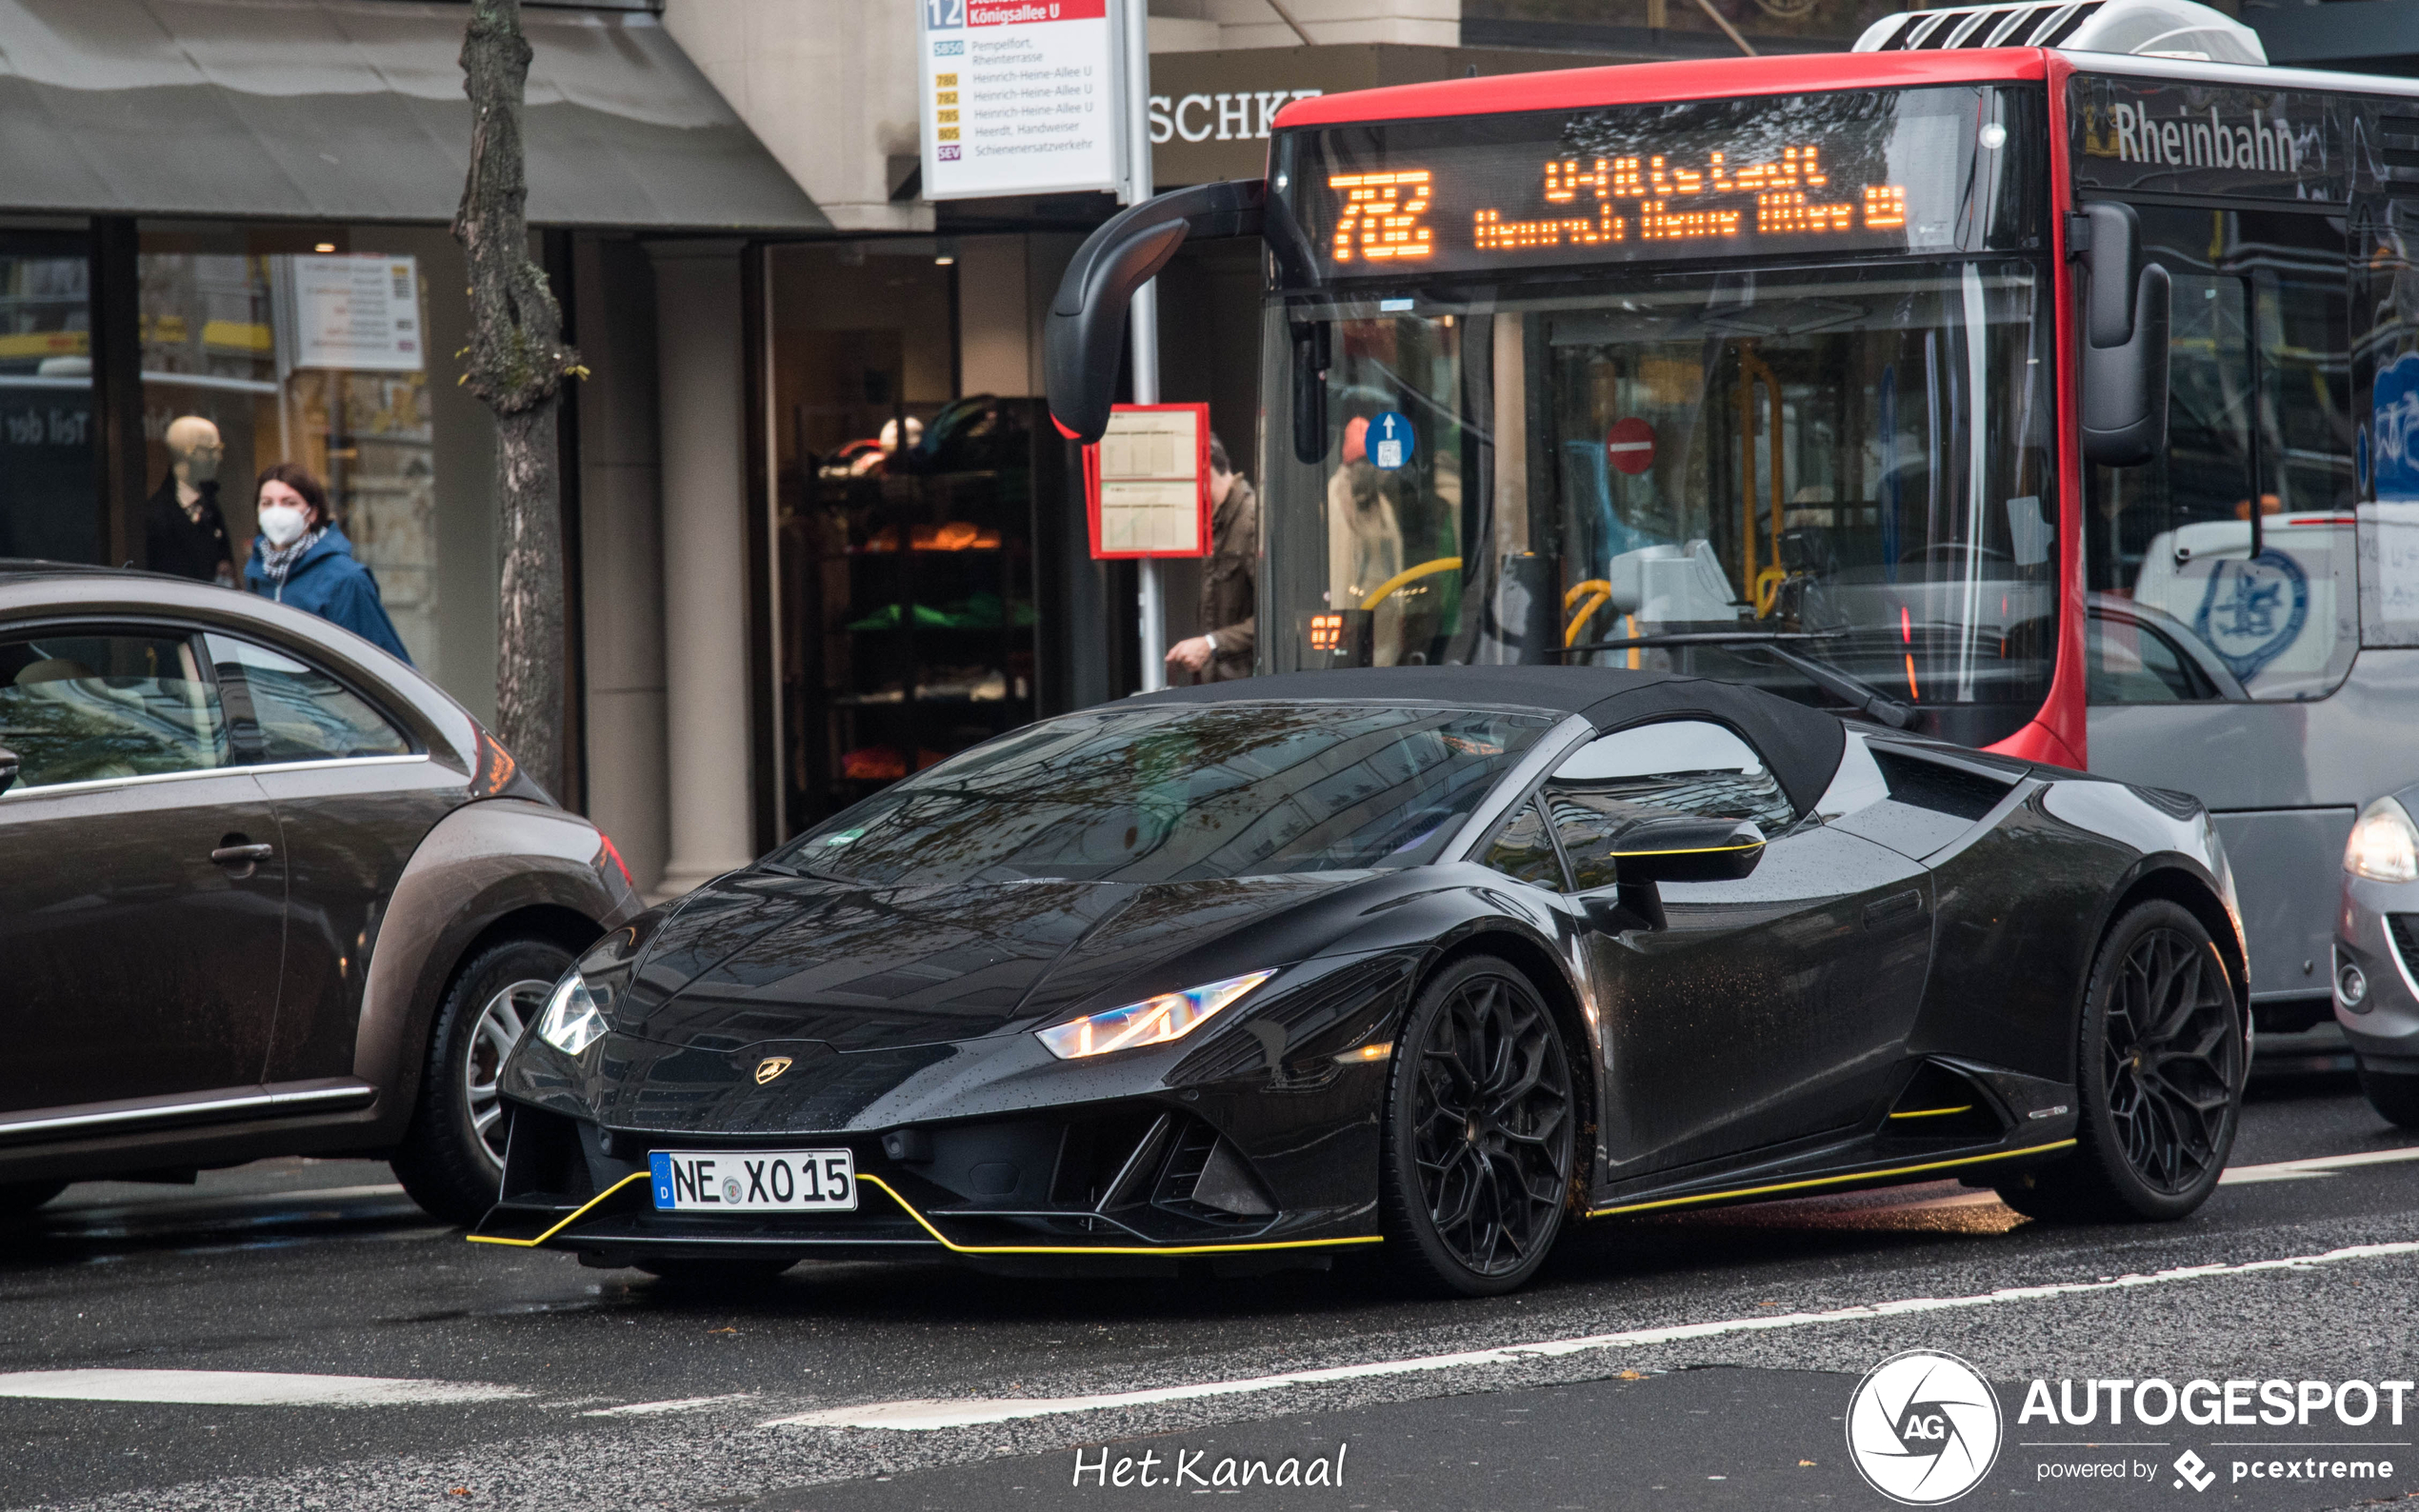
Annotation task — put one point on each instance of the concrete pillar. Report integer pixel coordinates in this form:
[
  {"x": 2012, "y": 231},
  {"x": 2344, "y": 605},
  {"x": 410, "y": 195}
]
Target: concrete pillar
[
  {"x": 622, "y": 550},
  {"x": 702, "y": 402}
]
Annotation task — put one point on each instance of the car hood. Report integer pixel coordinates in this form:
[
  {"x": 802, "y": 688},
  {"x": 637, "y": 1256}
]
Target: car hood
[{"x": 759, "y": 958}]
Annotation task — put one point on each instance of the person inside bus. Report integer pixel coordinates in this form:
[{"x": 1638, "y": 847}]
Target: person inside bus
[
  {"x": 1365, "y": 543},
  {"x": 1229, "y": 594},
  {"x": 301, "y": 558}
]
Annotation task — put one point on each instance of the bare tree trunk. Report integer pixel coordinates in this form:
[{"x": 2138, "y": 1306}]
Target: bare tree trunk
[{"x": 517, "y": 363}]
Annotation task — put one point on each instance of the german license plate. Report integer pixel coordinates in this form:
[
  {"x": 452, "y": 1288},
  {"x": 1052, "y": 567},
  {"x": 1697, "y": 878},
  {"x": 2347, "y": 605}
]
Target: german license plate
[{"x": 753, "y": 1182}]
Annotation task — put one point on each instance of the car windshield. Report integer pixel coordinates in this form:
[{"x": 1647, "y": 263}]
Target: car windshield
[{"x": 1178, "y": 794}]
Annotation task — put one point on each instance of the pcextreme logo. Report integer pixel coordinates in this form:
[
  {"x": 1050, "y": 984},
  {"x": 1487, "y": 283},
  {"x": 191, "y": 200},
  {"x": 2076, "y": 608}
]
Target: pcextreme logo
[{"x": 1923, "y": 1427}]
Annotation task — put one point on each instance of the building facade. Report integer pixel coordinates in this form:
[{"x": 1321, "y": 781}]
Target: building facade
[{"x": 820, "y": 530}]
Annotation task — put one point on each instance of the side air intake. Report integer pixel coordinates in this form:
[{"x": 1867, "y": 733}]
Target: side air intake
[{"x": 2142, "y": 28}]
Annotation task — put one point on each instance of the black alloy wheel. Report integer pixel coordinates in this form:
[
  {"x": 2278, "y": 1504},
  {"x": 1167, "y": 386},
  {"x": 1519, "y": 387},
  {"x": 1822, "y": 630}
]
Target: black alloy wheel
[
  {"x": 1475, "y": 1178},
  {"x": 2162, "y": 1064},
  {"x": 452, "y": 1158}
]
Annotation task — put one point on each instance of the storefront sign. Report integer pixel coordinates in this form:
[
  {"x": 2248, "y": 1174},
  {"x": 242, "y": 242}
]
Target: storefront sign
[
  {"x": 1020, "y": 97},
  {"x": 1149, "y": 482},
  {"x": 1210, "y": 111},
  {"x": 355, "y": 313}
]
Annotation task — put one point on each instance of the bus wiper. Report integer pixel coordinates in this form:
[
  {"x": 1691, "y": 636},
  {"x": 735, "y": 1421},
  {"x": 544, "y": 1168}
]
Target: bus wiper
[{"x": 1848, "y": 688}]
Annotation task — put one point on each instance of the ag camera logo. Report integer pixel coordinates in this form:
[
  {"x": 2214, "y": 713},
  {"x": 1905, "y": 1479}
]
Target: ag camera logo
[{"x": 1923, "y": 1427}]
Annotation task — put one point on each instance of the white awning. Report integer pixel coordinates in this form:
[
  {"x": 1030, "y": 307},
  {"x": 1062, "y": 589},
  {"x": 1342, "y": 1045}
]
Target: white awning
[{"x": 353, "y": 110}]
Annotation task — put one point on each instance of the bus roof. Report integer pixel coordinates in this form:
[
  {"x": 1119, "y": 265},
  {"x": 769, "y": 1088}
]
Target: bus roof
[
  {"x": 1791, "y": 73},
  {"x": 1652, "y": 83}
]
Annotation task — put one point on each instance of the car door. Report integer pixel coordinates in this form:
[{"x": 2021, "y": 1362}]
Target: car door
[
  {"x": 354, "y": 796},
  {"x": 142, "y": 889},
  {"x": 1756, "y": 1010}
]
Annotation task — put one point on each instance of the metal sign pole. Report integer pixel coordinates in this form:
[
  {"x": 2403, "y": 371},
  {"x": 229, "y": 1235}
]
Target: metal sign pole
[{"x": 1144, "y": 312}]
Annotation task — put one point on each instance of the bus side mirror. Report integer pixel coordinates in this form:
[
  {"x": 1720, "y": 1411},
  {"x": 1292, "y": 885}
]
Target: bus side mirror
[
  {"x": 1310, "y": 361},
  {"x": 1087, "y": 321},
  {"x": 2125, "y": 340}
]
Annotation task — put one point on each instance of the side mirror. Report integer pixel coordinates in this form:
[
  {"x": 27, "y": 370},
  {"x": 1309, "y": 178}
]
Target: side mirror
[
  {"x": 8, "y": 768},
  {"x": 2125, "y": 340},
  {"x": 1683, "y": 849},
  {"x": 1087, "y": 318}
]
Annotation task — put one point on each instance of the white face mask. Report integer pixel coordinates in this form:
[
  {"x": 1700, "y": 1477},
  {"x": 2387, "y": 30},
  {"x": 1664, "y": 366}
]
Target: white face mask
[{"x": 282, "y": 523}]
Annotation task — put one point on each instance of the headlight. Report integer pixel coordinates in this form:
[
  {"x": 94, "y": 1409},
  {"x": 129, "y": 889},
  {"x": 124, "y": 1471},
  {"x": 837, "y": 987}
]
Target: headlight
[
  {"x": 1169, "y": 1016},
  {"x": 571, "y": 1022},
  {"x": 2384, "y": 846}
]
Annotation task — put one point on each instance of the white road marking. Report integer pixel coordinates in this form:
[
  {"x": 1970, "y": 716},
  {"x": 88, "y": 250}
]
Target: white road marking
[
  {"x": 929, "y": 1414},
  {"x": 2315, "y": 1167},
  {"x": 246, "y": 1388},
  {"x": 648, "y": 1409}
]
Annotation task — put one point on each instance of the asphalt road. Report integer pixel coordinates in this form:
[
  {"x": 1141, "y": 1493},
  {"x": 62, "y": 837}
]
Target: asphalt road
[{"x": 297, "y": 1335}]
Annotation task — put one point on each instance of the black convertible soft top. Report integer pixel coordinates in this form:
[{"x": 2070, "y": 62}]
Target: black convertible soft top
[{"x": 1803, "y": 744}]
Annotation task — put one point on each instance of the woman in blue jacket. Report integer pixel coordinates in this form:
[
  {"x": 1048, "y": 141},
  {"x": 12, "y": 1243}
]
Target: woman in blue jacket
[{"x": 301, "y": 558}]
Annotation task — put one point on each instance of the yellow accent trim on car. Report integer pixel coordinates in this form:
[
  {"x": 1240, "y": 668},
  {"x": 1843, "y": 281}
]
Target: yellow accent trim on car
[
  {"x": 1936, "y": 1112},
  {"x": 1691, "y": 850},
  {"x": 956, "y": 1249},
  {"x": 1828, "y": 1181},
  {"x": 1409, "y": 576},
  {"x": 885, "y": 1187},
  {"x": 576, "y": 1215}
]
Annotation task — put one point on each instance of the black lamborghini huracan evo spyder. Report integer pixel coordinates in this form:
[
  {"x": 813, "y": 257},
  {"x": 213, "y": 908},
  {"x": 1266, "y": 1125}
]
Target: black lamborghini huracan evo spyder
[{"x": 1434, "y": 961}]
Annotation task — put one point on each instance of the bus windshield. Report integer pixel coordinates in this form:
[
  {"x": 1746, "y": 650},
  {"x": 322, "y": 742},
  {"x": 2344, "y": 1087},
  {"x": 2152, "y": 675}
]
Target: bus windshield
[{"x": 1829, "y": 476}]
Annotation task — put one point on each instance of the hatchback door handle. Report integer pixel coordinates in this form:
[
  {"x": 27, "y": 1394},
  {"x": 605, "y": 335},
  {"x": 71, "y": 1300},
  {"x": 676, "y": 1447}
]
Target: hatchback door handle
[{"x": 241, "y": 855}]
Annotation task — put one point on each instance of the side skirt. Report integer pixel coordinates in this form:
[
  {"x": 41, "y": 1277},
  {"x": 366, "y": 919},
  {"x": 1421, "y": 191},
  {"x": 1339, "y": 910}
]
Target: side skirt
[{"x": 1705, "y": 1192}]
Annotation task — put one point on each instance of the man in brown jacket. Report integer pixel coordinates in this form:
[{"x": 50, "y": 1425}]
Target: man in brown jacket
[{"x": 1229, "y": 598}]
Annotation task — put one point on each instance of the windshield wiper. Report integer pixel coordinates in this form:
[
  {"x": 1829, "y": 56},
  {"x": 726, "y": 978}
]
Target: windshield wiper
[{"x": 1853, "y": 690}]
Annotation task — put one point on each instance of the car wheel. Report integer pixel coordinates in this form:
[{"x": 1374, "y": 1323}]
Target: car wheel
[
  {"x": 2161, "y": 1078},
  {"x": 1475, "y": 1171},
  {"x": 716, "y": 1275},
  {"x": 2393, "y": 1094},
  {"x": 20, "y": 1198},
  {"x": 452, "y": 1158}
]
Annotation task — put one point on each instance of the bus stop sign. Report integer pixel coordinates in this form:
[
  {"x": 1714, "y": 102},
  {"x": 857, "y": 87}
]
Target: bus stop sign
[{"x": 1629, "y": 446}]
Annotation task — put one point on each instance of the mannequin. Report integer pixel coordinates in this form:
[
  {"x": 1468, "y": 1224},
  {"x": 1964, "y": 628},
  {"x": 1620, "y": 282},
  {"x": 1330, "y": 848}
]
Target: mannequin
[{"x": 184, "y": 532}]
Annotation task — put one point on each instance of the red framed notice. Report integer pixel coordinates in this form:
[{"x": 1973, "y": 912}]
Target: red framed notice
[{"x": 1146, "y": 483}]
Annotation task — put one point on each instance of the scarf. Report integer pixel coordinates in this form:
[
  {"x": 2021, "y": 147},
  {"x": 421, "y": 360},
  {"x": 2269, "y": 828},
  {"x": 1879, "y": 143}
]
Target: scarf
[{"x": 276, "y": 561}]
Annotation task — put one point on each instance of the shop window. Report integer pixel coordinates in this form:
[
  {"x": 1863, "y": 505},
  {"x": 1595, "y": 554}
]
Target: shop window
[
  {"x": 287, "y": 345},
  {"x": 48, "y": 501},
  {"x": 907, "y": 607},
  {"x": 2240, "y": 535}
]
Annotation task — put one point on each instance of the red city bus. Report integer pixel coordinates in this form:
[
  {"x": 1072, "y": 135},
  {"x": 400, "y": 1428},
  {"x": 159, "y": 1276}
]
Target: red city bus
[{"x": 2030, "y": 377}]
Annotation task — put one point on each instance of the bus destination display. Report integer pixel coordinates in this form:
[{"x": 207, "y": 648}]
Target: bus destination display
[{"x": 1870, "y": 172}]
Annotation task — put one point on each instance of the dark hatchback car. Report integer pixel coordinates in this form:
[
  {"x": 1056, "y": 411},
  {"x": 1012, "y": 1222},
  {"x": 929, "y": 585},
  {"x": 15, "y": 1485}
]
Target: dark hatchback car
[{"x": 263, "y": 890}]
